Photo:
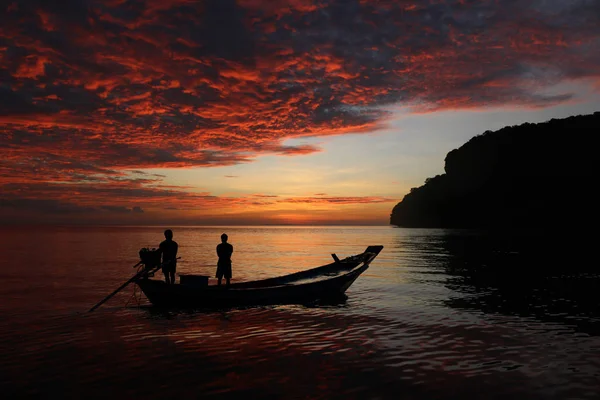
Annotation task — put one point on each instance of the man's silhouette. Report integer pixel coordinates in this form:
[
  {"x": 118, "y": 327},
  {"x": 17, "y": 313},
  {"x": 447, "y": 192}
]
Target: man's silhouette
[
  {"x": 224, "y": 251},
  {"x": 168, "y": 249}
]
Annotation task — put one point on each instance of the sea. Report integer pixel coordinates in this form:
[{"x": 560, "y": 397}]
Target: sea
[{"x": 439, "y": 314}]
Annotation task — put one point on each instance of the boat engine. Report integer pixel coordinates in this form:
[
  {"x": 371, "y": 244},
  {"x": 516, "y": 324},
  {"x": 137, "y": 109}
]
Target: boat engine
[{"x": 150, "y": 257}]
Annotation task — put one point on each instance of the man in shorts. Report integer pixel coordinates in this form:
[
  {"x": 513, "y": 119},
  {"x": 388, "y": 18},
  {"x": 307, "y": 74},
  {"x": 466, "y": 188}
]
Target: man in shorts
[
  {"x": 168, "y": 249},
  {"x": 224, "y": 251}
]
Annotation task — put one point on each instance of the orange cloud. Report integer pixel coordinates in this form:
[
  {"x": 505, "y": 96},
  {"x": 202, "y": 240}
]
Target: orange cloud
[{"x": 93, "y": 89}]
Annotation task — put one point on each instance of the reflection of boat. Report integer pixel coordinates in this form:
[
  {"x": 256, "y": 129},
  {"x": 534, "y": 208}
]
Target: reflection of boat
[{"x": 321, "y": 283}]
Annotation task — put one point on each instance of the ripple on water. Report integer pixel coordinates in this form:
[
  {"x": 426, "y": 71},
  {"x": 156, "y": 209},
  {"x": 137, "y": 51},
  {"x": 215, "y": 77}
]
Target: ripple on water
[{"x": 413, "y": 325}]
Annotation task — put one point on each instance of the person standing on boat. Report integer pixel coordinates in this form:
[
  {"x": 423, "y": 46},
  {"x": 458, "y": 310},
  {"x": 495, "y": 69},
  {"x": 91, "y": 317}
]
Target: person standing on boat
[
  {"x": 224, "y": 251},
  {"x": 168, "y": 249}
]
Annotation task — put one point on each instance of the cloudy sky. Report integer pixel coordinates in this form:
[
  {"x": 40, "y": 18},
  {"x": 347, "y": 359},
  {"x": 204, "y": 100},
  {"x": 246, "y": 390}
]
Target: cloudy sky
[{"x": 268, "y": 112}]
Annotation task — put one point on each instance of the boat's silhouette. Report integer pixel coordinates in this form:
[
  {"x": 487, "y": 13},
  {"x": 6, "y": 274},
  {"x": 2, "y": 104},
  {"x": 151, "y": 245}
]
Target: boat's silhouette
[{"x": 321, "y": 283}]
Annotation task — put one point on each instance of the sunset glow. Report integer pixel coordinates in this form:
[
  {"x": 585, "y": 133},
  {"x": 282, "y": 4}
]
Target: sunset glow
[{"x": 268, "y": 112}]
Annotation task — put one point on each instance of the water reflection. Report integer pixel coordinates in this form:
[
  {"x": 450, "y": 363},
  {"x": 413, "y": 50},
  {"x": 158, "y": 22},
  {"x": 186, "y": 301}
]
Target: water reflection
[
  {"x": 332, "y": 302},
  {"x": 510, "y": 274},
  {"x": 439, "y": 314}
]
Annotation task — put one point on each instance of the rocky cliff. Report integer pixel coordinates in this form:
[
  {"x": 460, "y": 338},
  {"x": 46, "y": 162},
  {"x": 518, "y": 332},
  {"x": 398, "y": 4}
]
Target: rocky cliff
[{"x": 531, "y": 175}]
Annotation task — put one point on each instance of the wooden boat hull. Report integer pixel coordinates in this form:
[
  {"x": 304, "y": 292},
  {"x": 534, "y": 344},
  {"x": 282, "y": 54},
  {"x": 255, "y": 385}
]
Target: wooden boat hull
[{"x": 325, "y": 282}]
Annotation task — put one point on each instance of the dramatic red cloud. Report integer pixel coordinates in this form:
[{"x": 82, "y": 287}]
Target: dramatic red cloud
[{"x": 90, "y": 90}]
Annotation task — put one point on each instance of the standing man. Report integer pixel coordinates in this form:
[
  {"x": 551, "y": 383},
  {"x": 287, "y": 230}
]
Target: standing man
[
  {"x": 168, "y": 249},
  {"x": 224, "y": 251}
]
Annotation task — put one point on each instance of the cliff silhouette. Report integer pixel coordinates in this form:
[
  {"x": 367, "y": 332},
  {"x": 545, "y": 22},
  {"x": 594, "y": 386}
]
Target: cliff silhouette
[{"x": 525, "y": 176}]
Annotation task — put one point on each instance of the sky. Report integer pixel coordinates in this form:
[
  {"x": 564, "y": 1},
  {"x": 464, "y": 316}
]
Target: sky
[{"x": 248, "y": 112}]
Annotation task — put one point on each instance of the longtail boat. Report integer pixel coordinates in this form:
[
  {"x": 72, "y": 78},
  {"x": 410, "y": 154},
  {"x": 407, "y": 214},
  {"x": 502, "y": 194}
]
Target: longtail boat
[{"x": 321, "y": 283}]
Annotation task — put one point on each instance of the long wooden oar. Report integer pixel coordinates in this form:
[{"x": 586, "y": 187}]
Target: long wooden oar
[{"x": 132, "y": 279}]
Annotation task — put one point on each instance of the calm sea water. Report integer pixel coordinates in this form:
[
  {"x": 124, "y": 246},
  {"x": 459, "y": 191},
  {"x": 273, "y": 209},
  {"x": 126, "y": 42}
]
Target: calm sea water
[{"x": 439, "y": 315}]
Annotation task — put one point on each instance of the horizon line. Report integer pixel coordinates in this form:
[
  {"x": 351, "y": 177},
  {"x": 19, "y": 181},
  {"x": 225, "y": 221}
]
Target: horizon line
[{"x": 185, "y": 225}]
